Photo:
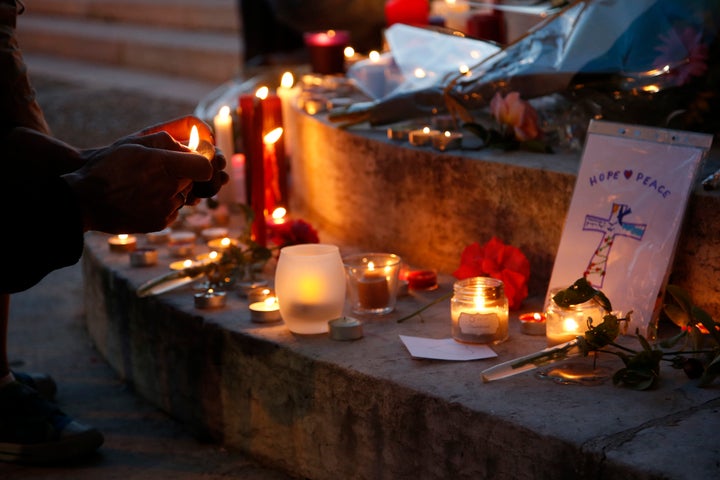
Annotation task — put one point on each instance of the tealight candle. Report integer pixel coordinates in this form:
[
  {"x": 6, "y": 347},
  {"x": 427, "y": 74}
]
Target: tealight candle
[
  {"x": 143, "y": 257},
  {"x": 259, "y": 294},
  {"x": 447, "y": 141},
  {"x": 209, "y": 257},
  {"x": 245, "y": 287},
  {"x": 122, "y": 243},
  {"x": 266, "y": 311},
  {"x": 210, "y": 299},
  {"x": 161, "y": 236},
  {"x": 221, "y": 244},
  {"x": 422, "y": 280},
  {"x": 420, "y": 138},
  {"x": 213, "y": 233},
  {"x": 532, "y": 323},
  {"x": 345, "y": 328},
  {"x": 183, "y": 264}
]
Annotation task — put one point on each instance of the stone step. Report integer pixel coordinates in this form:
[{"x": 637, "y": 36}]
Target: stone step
[
  {"x": 213, "y": 15},
  {"x": 201, "y": 55},
  {"x": 154, "y": 85}
]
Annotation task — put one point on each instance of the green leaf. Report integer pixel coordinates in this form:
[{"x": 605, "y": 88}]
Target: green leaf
[
  {"x": 680, "y": 296},
  {"x": 580, "y": 292},
  {"x": 711, "y": 372},
  {"x": 678, "y": 315}
]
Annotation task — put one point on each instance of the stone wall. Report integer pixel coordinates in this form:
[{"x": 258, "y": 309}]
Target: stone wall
[{"x": 363, "y": 189}]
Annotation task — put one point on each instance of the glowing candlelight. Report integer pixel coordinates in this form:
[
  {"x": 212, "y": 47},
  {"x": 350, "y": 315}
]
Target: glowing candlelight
[
  {"x": 194, "y": 141},
  {"x": 122, "y": 243}
]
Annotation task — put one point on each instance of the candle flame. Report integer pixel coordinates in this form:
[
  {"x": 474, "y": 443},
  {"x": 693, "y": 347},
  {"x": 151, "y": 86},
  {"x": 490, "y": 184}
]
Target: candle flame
[
  {"x": 426, "y": 130},
  {"x": 371, "y": 266},
  {"x": 331, "y": 33},
  {"x": 464, "y": 69},
  {"x": 123, "y": 236},
  {"x": 537, "y": 317},
  {"x": 194, "y": 139},
  {"x": 210, "y": 291},
  {"x": 374, "y": 56},
  {"x": 447, "y": 134},
  {"x": 278, "y": 214},
  {"x": 272, "y": 136},
  {"x": 287, "y": 80},
  {"x": 212, "y": 255},
  {"x": 570, "y": 325},
  {"x": 225, "y": 242},
  {"x": 187, "y": 263},
  {"x": 270, "y": 301},
  {"x": 419, "y": 73},
  {"x": 224, "y": 112},
  {"x": 349, "y": 52},
  {"x": 262, "y": 92}
]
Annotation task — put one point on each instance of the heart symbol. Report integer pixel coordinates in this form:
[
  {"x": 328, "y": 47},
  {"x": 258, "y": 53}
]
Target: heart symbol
[{"x": 628, "y": 173}]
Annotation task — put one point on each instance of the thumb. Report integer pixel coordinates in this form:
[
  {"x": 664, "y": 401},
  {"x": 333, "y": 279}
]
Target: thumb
[{"x": 187, "y": 165}]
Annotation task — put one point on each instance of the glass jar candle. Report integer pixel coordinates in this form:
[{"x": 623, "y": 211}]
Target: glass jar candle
[
  {"x": 565, "y": 323},
  {"x": 479, "y": 311},
  {"x": 310, "y": 286}
]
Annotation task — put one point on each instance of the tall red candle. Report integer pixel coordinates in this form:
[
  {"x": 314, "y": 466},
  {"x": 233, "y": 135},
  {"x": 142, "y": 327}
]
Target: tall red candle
[
  {"x": 275, "y": 159},
  {"x": 251, "y": 116}
]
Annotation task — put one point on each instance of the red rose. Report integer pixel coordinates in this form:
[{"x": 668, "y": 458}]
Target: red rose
[
  {"x": 500, "y": 261},
  {"x": 292, "y": 232}
]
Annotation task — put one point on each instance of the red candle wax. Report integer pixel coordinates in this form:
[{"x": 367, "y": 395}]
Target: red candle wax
[
  {"x": 327, "y": 56},
  {"x": 373, "y": 291},
  {"x": 251, "y": 116},
  {"x": 409, "y": 12},
  {"x": 422, "y": 280}
]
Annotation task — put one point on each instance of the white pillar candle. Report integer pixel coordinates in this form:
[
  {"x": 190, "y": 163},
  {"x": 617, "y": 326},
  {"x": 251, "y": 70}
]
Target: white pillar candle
[{"x": 225, "y": 141}]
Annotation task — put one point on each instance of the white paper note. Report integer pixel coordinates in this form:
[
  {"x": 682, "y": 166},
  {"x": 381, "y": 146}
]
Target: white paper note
[{"x": 445, "y": 349}]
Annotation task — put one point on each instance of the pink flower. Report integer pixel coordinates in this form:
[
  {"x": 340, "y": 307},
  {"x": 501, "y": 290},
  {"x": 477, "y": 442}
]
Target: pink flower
[
  {"x": 684, "y": 53},
  {"x": 517, "y": 114},
  {"x": 500, "y": 261}
]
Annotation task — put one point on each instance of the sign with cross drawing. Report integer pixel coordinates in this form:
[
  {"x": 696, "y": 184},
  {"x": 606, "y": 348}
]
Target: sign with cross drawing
[{"x": 626, "y": 212}]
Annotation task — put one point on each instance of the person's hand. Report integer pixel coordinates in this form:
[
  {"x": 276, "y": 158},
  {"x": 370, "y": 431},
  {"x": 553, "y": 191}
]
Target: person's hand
[
  {"x": 179, "y": 129},
  {"x": 138, "y": 184}
]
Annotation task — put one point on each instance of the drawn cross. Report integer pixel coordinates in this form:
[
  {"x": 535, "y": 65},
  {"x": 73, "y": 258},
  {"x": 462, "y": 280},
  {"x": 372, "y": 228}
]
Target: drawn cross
[{"x": 610, "y": 227}]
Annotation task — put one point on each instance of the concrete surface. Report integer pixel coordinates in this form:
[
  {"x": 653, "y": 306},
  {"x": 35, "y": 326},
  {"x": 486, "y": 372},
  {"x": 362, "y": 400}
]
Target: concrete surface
[{"x": 366, "y": 409}]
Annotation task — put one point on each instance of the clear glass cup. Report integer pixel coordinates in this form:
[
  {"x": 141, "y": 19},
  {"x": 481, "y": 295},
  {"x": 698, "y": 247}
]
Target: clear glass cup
[
  {"x": 310, "y": 286},
  {"x": 372, "y": 280}
]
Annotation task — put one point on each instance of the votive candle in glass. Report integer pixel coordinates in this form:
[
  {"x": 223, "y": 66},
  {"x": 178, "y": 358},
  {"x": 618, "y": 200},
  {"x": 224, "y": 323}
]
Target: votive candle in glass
[
  {"x": 479, "y": 311},
  {"x": 563, "y": 324},
  {"x": 310, "y": 286}
]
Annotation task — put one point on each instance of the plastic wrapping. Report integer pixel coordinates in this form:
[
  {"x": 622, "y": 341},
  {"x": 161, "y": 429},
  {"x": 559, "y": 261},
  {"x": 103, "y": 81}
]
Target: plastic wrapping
[{"x": 653, "y": 62}]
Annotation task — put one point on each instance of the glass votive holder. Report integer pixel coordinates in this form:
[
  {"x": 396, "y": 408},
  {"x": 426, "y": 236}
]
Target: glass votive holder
[
  {"x": 479, "y": 310},
  {"x": 372, "y": 282},
  {"x": 563, "y": 324},
  {"x": 310, "y": 286}
]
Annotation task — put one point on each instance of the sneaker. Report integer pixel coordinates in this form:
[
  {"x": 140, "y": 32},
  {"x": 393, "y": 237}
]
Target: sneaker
[
  {"x": 41, "y": 382},
  {"x": 35, "y": 431}
]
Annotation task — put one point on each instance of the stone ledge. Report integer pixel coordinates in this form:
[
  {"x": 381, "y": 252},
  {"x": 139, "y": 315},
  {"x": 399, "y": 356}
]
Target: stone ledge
[
  {"x": 427, "y": 206},
  {"x": 323, "y": 409}
]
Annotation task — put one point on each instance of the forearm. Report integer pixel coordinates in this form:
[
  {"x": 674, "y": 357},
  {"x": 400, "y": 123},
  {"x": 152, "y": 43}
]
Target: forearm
[{"x": 28, "y": 150}]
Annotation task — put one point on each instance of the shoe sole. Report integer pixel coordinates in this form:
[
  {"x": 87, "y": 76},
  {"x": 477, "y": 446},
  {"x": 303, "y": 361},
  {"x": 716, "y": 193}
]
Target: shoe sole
[{"x": 67, "y": 448}]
